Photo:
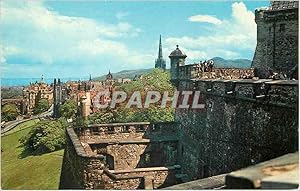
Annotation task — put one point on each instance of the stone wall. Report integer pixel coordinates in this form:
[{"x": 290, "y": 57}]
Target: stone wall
[
  {"x": 141, "y": 178},
  {"x": 277, "y": 41},
  {"x": 79, "y": 170},
  {"x": 244, "y": 122},
  {"x": 85, "y": 159}
]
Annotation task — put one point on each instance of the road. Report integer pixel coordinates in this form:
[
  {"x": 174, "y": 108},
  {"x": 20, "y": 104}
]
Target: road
[{"x": 12, "y": 124}]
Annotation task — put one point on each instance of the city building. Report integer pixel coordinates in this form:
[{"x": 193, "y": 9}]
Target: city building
[{"x": 35, "y": 92}]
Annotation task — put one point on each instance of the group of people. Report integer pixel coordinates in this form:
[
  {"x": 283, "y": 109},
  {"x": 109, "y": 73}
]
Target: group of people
[{"x": 206, "y": 66}]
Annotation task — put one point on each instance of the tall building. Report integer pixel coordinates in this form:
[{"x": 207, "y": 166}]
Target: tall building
[
  {"x": 37, "y": 91},
  {"x": 58, "y": 97},
  {"x": 160, "y": 61},
  {"x": 277, "y": 39}
]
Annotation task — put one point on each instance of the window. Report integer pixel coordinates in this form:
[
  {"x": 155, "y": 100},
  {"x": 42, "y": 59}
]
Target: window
[{"x": 281, "y": 27}]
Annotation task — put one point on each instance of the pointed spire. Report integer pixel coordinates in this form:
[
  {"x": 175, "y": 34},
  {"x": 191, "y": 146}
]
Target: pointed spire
[
  {"x": 160, "y": 48},
  {"x": 90, "y": 77}
]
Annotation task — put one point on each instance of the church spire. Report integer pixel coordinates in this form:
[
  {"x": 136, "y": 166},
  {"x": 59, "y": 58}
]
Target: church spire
[
  {"x": 160, "y": 62},
  {"x": 160, "y": 48}
]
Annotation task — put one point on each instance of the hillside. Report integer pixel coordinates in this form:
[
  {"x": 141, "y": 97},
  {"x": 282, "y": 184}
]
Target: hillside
[
  {"x": 219, "y": 62},
  {"x": 126, "y": 74},
  {"x": 236, "y": 63}
]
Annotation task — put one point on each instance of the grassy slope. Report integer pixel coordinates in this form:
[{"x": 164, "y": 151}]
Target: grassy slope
[{"x": 31, "y": 172}]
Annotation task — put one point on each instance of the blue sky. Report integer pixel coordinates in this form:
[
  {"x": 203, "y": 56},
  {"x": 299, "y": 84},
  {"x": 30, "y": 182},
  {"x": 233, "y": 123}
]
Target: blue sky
[{"x": 76, "y": 38}]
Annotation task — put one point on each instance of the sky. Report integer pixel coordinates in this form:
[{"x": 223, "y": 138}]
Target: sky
[{"x": 77, "y": 38}]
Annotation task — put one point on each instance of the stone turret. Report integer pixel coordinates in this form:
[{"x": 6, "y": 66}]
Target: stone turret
[
  {"x": 177, "y": 58},
  {"x": 277, "y": 39}
]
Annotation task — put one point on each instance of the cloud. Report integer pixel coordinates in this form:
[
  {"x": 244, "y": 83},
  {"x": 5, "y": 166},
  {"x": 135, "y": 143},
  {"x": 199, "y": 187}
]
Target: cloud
[
  {"x": 230, "y": 37},
  {"x": 121, "y": 15},
  {"x": 205, "y": 19},
  {"x": 34, "y": 35}
]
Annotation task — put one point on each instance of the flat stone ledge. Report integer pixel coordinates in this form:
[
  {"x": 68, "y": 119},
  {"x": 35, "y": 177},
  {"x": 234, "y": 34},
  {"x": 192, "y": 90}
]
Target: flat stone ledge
[
  {"x": 281, "y": 172},
  {"x": 205, "y": 183},
  {"x": 132, "y": 141},
  {"x": 167, "y": 168},
  {"x": 78, "y": 146}
]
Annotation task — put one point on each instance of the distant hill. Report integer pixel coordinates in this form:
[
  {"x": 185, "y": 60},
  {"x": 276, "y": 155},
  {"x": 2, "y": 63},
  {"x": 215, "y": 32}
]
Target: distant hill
[
  {"x": 218, "y": 62},
  {"x": 125, "y": 74},
  {"x": 236, "y": 63}
]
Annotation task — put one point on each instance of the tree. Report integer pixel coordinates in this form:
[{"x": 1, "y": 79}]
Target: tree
[
  {"x": 45, "y": 136},
  {"x": 9, "y": 112},
  {"x": 41, "y": 106},
  {"x": 68, "y": 109},
  {"x": 156, "y": 80}
]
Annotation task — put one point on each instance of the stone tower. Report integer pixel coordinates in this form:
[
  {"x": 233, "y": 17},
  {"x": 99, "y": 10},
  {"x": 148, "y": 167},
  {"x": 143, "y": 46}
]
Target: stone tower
[
  {"x": 57, "y": 96},
  {"x": 177, "y": 59},
  {"x": 277, "y": 39},
  {"x": 160, "y": 62}
]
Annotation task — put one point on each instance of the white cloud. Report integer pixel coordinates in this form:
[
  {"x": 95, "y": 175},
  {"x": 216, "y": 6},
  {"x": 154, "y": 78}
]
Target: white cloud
[
  {"x": 121, "y": 15},
  {"x": 229, "y": 38},
  {"x": 34, "y": 34},
  {"x": 205, "y": 19}
]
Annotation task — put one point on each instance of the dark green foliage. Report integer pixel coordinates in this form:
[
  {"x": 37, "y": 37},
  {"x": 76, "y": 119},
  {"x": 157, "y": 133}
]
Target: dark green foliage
[
  {"x": 68, "y": 109},
  {"x": 45, "y": 136},
  {"x": 9, "y": 112},
  {"x": 41, "y": 106},
  {"x": 80, "y": 122}
]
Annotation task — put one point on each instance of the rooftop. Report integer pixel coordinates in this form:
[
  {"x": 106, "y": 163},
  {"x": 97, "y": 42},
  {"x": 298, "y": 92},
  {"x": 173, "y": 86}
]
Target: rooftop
[{"x": 177, "y": 53}]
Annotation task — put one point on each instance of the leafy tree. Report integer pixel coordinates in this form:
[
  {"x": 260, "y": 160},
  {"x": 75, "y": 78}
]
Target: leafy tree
[
  {"x": 9, "y": 112},
  {"x": 41, "y": 106},
  {"x": 68, "y": 109},
  {"x": 156, "y": 80},
  {"x": 45, "y": 136},
  {"x": 106, "y": 116}
]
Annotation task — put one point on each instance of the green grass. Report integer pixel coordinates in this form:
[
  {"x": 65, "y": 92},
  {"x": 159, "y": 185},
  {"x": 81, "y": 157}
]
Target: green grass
[{"x": 31, "y": 172}]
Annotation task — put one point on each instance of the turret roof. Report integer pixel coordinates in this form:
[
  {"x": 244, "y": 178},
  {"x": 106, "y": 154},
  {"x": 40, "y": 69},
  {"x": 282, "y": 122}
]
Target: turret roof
[{"x": 177, "y": 53}]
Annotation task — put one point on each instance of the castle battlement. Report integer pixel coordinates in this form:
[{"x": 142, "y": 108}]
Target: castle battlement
[
  {"x": 138, "y": 155},
  {"x": 264, "y": 91},
  {"x": 194, "y": 71}
]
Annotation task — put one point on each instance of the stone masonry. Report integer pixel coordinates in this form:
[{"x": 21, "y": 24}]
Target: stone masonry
[
  {"x": 277, "y": 39},
  {"x": 121, "y": 156}
]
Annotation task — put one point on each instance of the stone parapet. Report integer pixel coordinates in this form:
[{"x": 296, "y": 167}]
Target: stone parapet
[{"x": 267, "y": 91}]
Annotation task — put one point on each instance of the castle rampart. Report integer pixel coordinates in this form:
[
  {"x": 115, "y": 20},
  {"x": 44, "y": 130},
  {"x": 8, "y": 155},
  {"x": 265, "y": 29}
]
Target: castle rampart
[
  {"x": 244, "y": 122},
  {"x": 121, "y": 156}
]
